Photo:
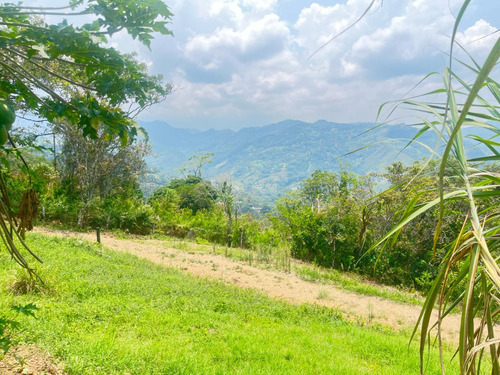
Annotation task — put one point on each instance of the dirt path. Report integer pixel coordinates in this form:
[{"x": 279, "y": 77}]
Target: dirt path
[{"x": 275, "y": 283}]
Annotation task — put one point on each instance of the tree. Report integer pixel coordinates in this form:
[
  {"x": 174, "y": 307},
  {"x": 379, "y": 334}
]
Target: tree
[
  {"x": 326, "y": 219},
  {"x": 97, "y": 168},
  {"x": 195, "y": 163},
  {"x": 319, "y": 189},
  {"x": 39, "y": 62},
  {"x": 194, "y": 193},
  {"x": 191, "y": 191}
]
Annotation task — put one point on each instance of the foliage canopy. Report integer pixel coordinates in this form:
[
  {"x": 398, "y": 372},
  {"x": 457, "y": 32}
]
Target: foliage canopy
[{"x": 62, "y": 70}]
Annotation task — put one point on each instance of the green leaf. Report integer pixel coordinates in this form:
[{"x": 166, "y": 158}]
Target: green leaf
[{"x": 28, "y": 310}]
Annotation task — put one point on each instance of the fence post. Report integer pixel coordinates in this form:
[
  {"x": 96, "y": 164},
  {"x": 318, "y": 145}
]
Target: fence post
[{"x": 98, "y": 232}]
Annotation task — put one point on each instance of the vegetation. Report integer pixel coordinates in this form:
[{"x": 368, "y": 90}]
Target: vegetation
[
  {"x": 331, "y": 219},
  {"x": 108, "y": 312},
  {"x": 65, "y": 73},
  {"x": 469, "y": 274}
]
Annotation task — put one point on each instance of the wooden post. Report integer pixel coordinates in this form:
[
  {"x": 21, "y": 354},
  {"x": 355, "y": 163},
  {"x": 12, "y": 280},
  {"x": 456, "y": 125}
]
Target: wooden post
[
  {"x": 54, "y": 151},
  {"x": 98, "y": 232},
  {"x": 241, "y": 238}
]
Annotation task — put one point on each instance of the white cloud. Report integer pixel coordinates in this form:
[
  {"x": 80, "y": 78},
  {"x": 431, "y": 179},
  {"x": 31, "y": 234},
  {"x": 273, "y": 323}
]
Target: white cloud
[
  {"x": 317, "y": 24},
  {"x": 260, "y": 5},
  {"x": 229, "y": 10},
  {"x": 227, "y": 48},
  {"x": 256, "y": 36},
  {"x": 238, "y": 62},
  {"x": 417, "y": 31},
  {"x": 478, "y": 38},
  {"x": 349, "y": 68}
]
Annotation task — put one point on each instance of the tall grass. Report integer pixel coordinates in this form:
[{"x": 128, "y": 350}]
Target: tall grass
[{"x": 469, "y": 275}]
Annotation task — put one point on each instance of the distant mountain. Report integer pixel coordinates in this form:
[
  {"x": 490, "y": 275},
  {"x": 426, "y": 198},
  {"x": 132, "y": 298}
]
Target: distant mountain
[{"x": 271, "y": 159}]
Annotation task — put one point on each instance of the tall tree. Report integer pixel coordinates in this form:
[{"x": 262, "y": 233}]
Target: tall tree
[
  {"x": 195, "y": 164},
  {"x": 96, "y": 167}
]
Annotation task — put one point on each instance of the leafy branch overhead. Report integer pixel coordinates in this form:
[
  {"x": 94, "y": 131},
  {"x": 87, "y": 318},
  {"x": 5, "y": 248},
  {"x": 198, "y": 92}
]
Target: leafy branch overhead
[
  {"x": 62, "y": 70},
  {"x": 66, "y": 73}
]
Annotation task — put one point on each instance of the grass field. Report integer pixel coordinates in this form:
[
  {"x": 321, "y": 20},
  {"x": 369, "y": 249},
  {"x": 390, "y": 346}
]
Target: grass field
[{"x": 104, "y": 312}]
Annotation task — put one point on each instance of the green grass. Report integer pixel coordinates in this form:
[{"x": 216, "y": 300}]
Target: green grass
[
  {"x": 105, "y": 312},
  {"x": 354, "y": 283}
]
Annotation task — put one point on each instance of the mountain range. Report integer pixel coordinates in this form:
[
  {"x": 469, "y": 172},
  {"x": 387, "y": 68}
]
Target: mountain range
[{"x": 269, "y": 160}]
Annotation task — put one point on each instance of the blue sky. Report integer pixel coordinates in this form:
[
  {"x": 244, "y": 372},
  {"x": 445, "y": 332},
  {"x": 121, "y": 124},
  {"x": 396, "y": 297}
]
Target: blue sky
[{"x": 239, "y": 63}]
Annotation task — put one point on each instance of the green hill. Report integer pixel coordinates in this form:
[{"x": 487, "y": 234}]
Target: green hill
[{"x": 271, "y": 159}]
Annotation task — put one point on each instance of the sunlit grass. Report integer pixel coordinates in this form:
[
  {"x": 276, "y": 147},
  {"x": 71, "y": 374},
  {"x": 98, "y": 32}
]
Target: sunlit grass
[
  {"x": 354, "y": 283},
  {"x": 107, "y": 312}
]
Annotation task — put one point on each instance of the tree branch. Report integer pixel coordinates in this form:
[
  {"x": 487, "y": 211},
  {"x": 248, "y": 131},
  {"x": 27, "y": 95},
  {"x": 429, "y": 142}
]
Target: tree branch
[
  {"x": 51, "y": 72},
  {"x": 14, "y": 74},
  {"x": 49, "y": 13},
  {"x": 41, "y": 8},
  {"x": 27, "y": 75},
  {"x": 27, "y": 25}
]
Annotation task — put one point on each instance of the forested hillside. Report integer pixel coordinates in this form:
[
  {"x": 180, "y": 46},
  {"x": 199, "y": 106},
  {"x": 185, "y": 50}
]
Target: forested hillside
[{"x": 271, "y": 159}]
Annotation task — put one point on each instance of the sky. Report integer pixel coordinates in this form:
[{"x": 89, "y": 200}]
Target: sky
[{"x": 241, "y": 63}]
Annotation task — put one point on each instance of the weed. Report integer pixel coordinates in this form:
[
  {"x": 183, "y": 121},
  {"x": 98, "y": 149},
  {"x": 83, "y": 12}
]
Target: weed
[
  {"x": 323, "y": 294},
  {"x": 22, "y": 283},
  {"x": 371, "y": 315}
]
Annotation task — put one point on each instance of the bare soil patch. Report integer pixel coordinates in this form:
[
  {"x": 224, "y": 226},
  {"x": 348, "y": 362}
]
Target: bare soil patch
[{"x": 29, "y": 360}]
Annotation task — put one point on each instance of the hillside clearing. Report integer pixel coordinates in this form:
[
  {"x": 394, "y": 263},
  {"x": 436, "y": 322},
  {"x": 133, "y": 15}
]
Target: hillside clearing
[
  {"x": 107, "y": 312},
  {"x": 287, "y": 286}
]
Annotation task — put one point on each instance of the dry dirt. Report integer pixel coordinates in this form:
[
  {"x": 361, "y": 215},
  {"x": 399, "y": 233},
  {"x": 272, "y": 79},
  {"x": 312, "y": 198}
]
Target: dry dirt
[
  {"x": 30, "y": 361},
  {"x": 275, "y": 283}
]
